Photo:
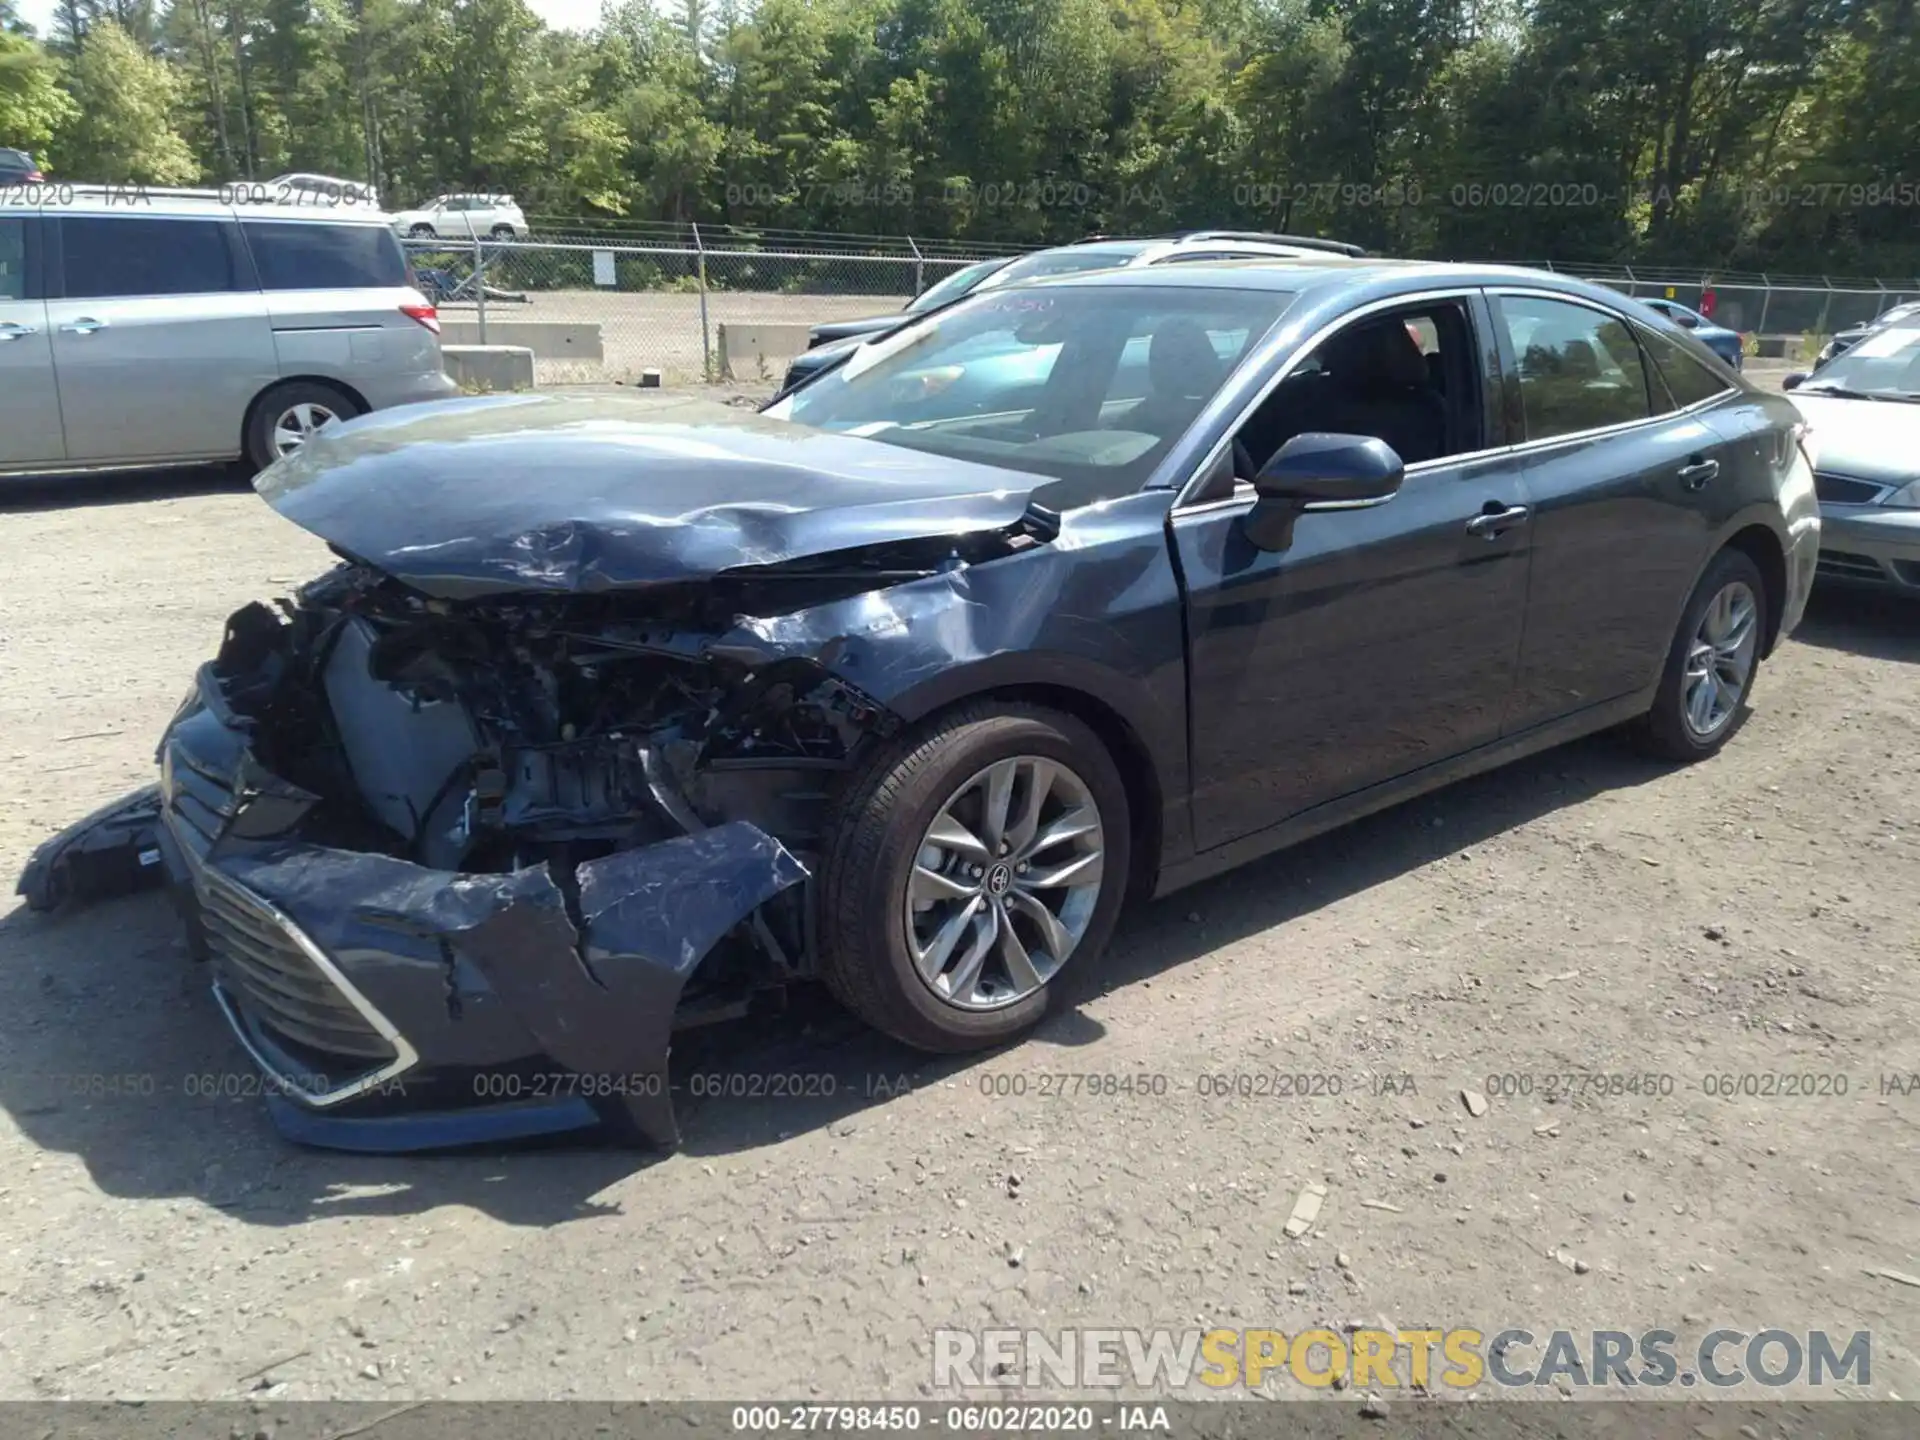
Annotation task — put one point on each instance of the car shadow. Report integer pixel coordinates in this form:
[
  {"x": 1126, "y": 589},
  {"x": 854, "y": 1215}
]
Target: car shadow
[
  {"x": 106, "y": 1027},
  {"x": 1872, "y": 623},
  {"x": 23, "y": 493}
]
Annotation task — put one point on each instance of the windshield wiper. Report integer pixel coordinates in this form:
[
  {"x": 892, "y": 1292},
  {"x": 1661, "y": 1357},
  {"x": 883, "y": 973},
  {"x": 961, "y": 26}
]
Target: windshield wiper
[{"x": 1841, "y": 392}]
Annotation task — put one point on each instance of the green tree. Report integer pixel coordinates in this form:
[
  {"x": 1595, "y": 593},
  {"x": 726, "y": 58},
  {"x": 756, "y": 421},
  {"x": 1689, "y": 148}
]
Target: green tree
[
  {"x": 33, "y": 107},
  {"x": 121, "y": 127}
]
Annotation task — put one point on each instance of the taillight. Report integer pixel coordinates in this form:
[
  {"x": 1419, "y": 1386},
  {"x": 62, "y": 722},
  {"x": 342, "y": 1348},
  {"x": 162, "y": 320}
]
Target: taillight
[
  {"x": 426, "y": 315},
  {"x": 35, "y": 177}
]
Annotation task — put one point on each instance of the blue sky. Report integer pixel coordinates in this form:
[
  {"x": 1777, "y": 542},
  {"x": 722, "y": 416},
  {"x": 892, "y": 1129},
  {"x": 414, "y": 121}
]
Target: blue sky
[{"x": 561, "y": 14}]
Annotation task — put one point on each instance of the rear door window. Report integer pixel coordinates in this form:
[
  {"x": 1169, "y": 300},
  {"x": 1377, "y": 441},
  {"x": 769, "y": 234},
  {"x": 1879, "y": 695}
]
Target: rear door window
[
  {"x": 125, "y": 256},
  {"x": 300, "y": 255},
  {"x": 1580, "y": 368}
]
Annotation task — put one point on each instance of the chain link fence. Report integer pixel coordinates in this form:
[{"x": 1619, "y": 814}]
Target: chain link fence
[
  {"x": 595, "y": 312},
  {"x": 1799, "y": 310},
  {"x": 600, "y": 308}
]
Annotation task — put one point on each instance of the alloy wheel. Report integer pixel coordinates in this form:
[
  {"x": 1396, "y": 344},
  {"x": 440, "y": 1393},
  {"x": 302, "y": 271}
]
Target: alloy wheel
[
  {"x": 1004, "y": 883},
  {"x": 1720, "y": 659},
  {"x": 298, "y": 424}
]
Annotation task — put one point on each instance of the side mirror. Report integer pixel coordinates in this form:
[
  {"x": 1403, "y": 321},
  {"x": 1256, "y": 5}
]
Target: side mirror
[
  {"x": 1686, "y": 322},
  {"x": 1318, "y": 471},
  {"x": 1795, "y": 380}
]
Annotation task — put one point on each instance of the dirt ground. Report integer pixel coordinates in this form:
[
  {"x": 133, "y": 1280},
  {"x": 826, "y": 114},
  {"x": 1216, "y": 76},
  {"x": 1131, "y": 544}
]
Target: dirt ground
[{"x": 1586, "y": 913}]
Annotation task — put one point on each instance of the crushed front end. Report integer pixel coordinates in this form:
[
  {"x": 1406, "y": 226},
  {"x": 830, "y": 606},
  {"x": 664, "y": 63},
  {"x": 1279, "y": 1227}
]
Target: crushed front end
[{"x": 461, "y": 867}]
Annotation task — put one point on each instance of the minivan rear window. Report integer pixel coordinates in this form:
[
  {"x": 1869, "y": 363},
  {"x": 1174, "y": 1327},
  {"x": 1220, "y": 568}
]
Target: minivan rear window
[
  {"x": 125, "y": 255},
  {"x": 303, "y": 255}
]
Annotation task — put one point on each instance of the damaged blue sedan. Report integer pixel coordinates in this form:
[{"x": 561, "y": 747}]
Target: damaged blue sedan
[{"x": 619, "y": 712}]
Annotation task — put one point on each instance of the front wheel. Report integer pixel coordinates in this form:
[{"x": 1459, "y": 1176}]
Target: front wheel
[
  {"x": 1711, "y": 665},
  {"x": 420, "y": 232},
  {"x": 968, "y": 865},
  {"x": 504, "y": 232}
]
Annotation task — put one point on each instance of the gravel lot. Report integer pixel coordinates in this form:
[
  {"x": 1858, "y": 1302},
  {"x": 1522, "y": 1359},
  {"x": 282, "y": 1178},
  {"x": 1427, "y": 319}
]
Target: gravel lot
[
  {"x": 1585, "y": 912},
  {"x": 660, "y": 331}
]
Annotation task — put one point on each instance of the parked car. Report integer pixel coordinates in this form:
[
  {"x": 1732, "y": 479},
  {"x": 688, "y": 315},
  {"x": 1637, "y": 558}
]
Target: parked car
[
  {"x": 1864, "y": 407},
  {"x": 827, "y": 346},
  {"x": 908, "y": 697},
  {"x": 1725, "y": 343},
  {"x": 1845, "y": 340},
  {"x": 189, "y": 329},
  {"x": 943, "y": 291},
  {"x": 17, "y": 167},
  {"x": 306, "y": 188},
  {"x": 464, "y": 217}
]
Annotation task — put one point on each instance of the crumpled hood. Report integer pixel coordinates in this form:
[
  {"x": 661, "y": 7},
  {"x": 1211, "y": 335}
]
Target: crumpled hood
[
  {"x": 1875, "y": 440},
  {"x": 564, "y": 493}
]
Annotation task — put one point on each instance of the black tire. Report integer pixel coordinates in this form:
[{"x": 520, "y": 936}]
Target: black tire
[
  {"x": 268, "y": 409},
  {"x": 1665, "y": 730},
  {"x": 420, "y": 232},
  {"x": 872, "y": 846},
  {"x": 503, "y": 232}
]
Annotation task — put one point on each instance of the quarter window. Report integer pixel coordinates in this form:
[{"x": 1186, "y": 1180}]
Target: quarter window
[
  {"x": 110, "y": 256},
  {"x": 1690, "y": 380},
  {"x": 300, "y": 255},
  {"x": 1580, "y": 369}
]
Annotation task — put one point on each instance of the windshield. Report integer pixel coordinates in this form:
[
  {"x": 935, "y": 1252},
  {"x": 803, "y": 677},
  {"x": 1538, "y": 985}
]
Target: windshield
[
  {"x": 1069, "y": 260},
  {"x": 1089, "y": 385},
  {"x": 952, "y": 287},
  {"x": 1884, "y": 365}
]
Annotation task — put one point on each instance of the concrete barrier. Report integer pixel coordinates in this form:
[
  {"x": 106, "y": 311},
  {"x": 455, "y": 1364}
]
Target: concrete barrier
[
  {"x": 492, "y": 368},
  {"x": 759, "y": 350},
  {"x": 547, "y": 339}
]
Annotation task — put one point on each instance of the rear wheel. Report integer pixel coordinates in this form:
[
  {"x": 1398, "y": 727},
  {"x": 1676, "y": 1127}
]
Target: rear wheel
[
  {"x": 503, "y": 232},
  {"x": 420, "y": 232},
  {"x": 288, "y": 416},
  {"x": 968, "y": 865},
  {"x": 1712, "y": 663}
]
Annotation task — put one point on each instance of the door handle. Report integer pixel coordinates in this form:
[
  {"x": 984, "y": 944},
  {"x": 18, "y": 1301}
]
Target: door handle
[
  {"x": 11, "y": 331},
  {"x": 85, "y": 325},
  {"x": 1490, "y": 524},
  {"x": 1697, "y": 473}
]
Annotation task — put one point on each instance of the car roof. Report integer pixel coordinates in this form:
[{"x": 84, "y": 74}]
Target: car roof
[
  {"x": 228, "y": 203},
  {"x": 1338, "y": 283}
]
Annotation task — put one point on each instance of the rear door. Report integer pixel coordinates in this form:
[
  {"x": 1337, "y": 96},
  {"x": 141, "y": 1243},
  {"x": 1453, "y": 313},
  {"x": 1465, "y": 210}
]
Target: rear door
[
  {"x": 1618, "y": 472},
  {"x": 333, "y": 293},
  {"x": 160, "y": 338},
  {"x": 29, "y": 403}
]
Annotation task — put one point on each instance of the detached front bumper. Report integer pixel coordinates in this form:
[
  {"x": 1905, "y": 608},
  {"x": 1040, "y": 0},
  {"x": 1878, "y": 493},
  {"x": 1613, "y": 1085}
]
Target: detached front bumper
[
  {"x": 1870, "y": 545},
  {"x": 394, "y": 1007}
]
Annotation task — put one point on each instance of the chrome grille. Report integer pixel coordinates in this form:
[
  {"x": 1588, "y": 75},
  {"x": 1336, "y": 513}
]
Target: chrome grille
[
  {"x": 284, "y": 990},
  {"x": 1845, "y": 490},
  {"x": 293, "y": 1010}
]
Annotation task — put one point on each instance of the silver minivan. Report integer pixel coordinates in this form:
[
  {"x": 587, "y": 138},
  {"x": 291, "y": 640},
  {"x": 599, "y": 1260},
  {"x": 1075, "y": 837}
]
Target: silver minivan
[{"x": 150, "y": 327}]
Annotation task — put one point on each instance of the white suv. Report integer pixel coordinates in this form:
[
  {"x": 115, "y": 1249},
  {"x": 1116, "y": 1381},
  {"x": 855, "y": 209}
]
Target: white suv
[{"x": 464, "y": 217}]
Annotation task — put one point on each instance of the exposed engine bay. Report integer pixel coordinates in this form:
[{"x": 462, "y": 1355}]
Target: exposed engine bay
[{"x": 497, "y": 734}]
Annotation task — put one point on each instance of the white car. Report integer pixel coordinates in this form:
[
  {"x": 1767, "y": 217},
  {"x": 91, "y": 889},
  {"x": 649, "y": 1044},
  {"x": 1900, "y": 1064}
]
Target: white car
[
  {"x": 303, "y": 188},
  {"x": 464, "y": 217}
]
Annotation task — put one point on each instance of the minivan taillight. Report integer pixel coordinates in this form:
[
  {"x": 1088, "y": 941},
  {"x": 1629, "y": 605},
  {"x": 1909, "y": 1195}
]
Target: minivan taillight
[
  {"x": 34, "y": 177},
  {"x": 424, "y": 314}
]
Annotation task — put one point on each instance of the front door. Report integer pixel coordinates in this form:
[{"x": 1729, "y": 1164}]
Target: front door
[
  {"x": 1380, "y": 640},
  {"x": 29, "y": 406}
]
